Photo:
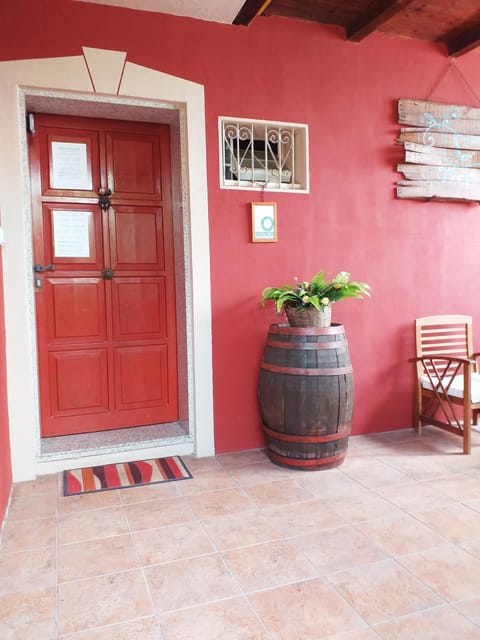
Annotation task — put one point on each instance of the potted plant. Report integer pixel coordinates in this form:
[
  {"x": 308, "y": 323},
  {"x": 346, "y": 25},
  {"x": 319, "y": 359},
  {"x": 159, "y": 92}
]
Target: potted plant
[{"x": 309, "y": 303}]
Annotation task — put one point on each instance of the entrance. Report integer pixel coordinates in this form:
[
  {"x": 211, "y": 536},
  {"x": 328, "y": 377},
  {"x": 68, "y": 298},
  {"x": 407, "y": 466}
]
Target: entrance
[{"x": 103, "y": 274}]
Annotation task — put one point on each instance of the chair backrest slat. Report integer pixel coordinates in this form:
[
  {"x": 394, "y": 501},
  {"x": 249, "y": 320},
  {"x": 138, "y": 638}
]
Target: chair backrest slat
[{"x": 443, "y": 335}]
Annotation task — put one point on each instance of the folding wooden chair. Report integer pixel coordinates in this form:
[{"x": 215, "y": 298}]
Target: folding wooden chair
[{"x": 447, "y": 385}]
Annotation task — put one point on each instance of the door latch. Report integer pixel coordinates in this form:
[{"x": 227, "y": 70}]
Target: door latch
[{"x": 104, "y": 199}]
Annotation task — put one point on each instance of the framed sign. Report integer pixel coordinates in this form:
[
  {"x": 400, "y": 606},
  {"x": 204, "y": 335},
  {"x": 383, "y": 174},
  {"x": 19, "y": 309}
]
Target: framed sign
[{"x": 264, "y": 222}]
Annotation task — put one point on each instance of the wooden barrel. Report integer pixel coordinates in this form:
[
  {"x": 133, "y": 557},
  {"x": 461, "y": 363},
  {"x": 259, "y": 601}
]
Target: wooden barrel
[{"x": 306, "y": 396}]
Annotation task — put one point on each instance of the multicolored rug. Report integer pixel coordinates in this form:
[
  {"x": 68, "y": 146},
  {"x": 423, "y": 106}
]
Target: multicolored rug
[{"x": 125, "y": 474}]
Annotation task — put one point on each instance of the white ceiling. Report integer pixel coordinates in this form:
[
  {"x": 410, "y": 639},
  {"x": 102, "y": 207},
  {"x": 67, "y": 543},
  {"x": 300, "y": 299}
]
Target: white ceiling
[{"x": 213, "y": 10}]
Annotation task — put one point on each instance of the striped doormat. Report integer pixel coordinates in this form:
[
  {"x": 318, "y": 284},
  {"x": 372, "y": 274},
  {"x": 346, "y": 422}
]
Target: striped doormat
[{"x": 124, "y": 474}]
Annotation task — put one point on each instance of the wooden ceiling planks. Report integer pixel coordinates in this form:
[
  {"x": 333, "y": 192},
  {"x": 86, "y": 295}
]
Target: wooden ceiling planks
[
  {"x": 372, "y": 21},
  {"x": 455, "y": 24}
]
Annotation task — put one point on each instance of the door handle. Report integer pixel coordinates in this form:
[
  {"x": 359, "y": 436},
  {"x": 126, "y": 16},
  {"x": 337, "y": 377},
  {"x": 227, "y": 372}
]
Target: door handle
[{"x": 39, "y": 269}]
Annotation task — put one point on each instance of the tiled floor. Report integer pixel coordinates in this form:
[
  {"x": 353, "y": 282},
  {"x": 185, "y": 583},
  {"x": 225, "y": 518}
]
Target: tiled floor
[{"x": 385, "y": 546}]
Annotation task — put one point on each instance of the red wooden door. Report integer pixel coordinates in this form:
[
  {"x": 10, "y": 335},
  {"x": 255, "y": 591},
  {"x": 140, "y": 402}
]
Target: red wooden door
[{"x": 104, "y": 274}]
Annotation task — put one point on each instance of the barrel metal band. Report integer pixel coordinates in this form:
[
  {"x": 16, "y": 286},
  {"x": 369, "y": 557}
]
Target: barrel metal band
[
  {"x": 306, "y": 346},
  {"x": 300, "y": 331},
  {"x": 300, "y": 438},
  {"x": 311, "y": 462},
  {"x": 293, "y": 371}
]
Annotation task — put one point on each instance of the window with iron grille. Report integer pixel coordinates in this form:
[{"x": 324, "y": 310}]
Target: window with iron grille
[{"x": 261, "y": 154}]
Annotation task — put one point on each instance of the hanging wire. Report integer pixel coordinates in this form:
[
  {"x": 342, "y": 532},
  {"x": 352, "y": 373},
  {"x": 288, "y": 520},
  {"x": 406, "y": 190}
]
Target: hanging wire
[{"x": 452, "y": 65}]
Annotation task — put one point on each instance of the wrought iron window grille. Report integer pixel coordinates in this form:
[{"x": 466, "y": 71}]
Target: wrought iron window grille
[{"x": 259, "y": 153}]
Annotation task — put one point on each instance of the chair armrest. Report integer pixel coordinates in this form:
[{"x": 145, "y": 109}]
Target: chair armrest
[{"x": 434, "y": 356}]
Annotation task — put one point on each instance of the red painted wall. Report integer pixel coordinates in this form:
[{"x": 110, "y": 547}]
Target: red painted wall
[{"x": 420, "y": 258}]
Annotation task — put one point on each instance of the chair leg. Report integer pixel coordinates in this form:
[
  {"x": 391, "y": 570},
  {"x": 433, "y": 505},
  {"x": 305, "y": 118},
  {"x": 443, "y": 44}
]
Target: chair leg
[
  {"x": 417, "y": 423},
  {"x": 467, "y": 428}
]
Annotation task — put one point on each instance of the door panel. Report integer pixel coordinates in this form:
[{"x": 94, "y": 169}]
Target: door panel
[
  {"x": 137, "y": 238},
  {"x": 76, "y": 310},
  {"x": 139, "y": 308},
  {"x": 78, "y": 382},
  {"x": 105, "y": 289},
  {"x": 142, "y": 377},
  {"x": 134, "y": 165}
]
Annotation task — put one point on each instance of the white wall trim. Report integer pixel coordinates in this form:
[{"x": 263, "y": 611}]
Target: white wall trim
[{"x": 138, "y": 88}]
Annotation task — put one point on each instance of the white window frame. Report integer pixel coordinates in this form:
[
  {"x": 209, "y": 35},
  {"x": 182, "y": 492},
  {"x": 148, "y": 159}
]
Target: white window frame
[{"x": 277, "y": 161}]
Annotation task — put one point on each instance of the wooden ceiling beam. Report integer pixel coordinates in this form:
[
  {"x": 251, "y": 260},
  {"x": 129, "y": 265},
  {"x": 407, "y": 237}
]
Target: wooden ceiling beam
[
  {"x": 250, "y": 10},
  {"x": 384, "y": 10},
  {"x": 464, "y": 42}
]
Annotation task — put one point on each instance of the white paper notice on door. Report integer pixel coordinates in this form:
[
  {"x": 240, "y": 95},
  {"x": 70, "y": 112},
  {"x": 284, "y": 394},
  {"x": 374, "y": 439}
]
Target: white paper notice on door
[
  {"x": 71, "y": 234},
  {"x": 70, "y": 166}
]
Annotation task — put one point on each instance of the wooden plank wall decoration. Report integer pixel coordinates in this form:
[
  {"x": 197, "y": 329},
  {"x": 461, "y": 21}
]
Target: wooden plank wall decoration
[{"x": 442, "y": 151}]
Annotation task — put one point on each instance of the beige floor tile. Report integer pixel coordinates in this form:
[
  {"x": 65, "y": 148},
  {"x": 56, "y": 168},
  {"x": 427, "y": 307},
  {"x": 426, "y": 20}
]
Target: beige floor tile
[
  {"x": 309, "y": 610},
  {"x": 382, "y": 591},
  {"x": 458, "y": 486},
  {"x": 88, "y": 502},
  {"x": 201, "y": 465},
  {"x": 90, "y": 525},
  {"x": 260, "y": 472},
  {"x": 32, "y": 507},
  {"x": 330, "y": 483},
  {"x": 454, "y": 522},
  {"x": 337, "y": 549},
  {"x": 361, "y": 506},
  {"x": 43, "y": 484},
  {"x": 242, "y": 458},
  {"x": 362, "y": 634},
  {"x": 416, "y": 467},
  {"x": 472, "y": 546},
  {"x": 186, "y": 583},
  {"x": 96, "y": 557},
  {"x": 303, "y": 517},
  {"x": 461, "y": 464},
  {"x": 245, "y": 528},
  {"x": 230, "y": 619},
  {"x": 400, "y": 535},
  {"x": 270, "y": 494},
  {"x": 374, "y": 475},
  {"x": 413, "y": 497},
  {"x": 220, "y": 503},
  {"x": 103, "y": 600},
  {"x": 158, "y": 513},
  {"x": 146, "y": 629},
  {"x": 28, "y": 534},
  {"x": 471, "y": 610},
  {"x": 159, "y": 491},
  {"x": 28, "y": 614},
  {"x": 215, "y": 480},
  {"x": 174, "y": 542},
  {"x": 448, "y": 570},
  {"x": 268, "y": 565},
  {"x": 27, "y": 570},
  {"x": 472, "y": 504},
  {"x": 440, "y": 623}
]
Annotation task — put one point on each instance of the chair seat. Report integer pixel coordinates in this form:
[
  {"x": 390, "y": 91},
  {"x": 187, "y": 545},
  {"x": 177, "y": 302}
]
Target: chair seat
[{"x": 456, "y": 388}]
